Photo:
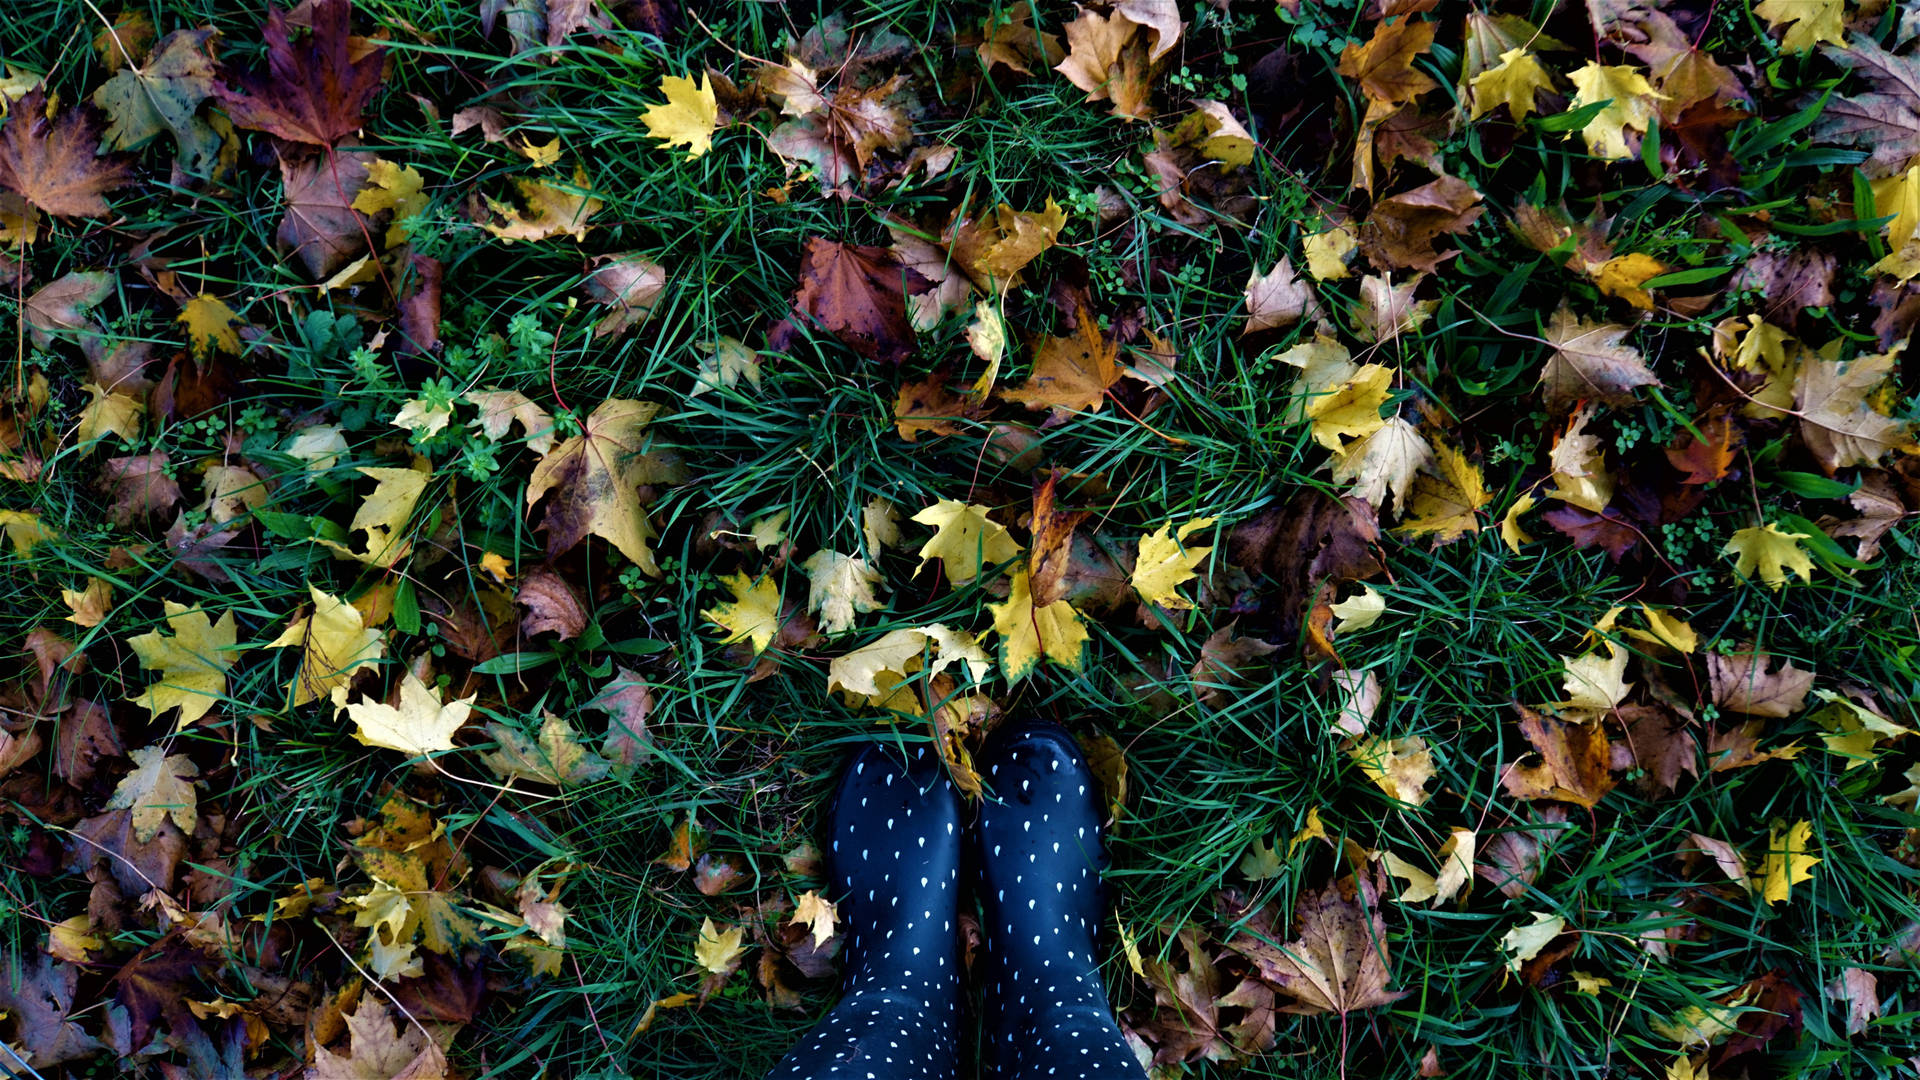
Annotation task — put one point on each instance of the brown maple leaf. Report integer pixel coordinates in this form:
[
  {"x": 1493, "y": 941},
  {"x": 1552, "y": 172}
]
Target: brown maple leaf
[
  {"x": 1070, "y": 374},
  {"x": 1402, "y": 228},
  {"x": 321, "y": 228},
  {"x": 856, "y": 293},
  {"x": 1590, "y": 363},
  {"x": 1052, "y": 548},
  {"x": 1880, "y": 509},
  {"x": 1792, "y": 281},
  {"x": 928, "y": 405},
  {"x": 1228, "y": 664},
  {"x": 1384, "y": 65},
  {"x": 1703, "y": 462},
  {"x": 1573, "y": 761},
  {"x": 313, "y": 91},
  {"x": 627, "y": 701},
  {"x": 1658, "y": 742},
  {"x": 551, "y": 604},
  {"x": 42, "y": 1002},
  {"x": 54, "y": 164},
  {"x": 1339, "y": 961},
  {"x": 1742, "y": 683},
  {"x": 1186, "y": 1022},
  {"x": 139, "y": 486},
  {"x": 1885, "y": 122},
  {"x": 601, "y": 479}
]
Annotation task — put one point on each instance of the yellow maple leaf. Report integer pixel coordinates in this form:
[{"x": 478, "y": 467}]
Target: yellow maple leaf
[
  {"x": 1023, "y": 235},
  {"x": 540, "y": 154},
  {"x": 333, "y": 643},
  {"x": 548, "y": 210},
  {"x": 964, "y": 539},
  {"x": 1623, "y": 275},
  {"x": 1164, "y": 563},
  {"x": 1351, "y": 409},
  {"x": 1359, "y": 612},
  {"x": 1026, "y": 633},
  {"x": 1445, "y": 501},
  {"x": 1512, "y": 83},
  {"x": 158, "y": 790},
  {"x": 1630, "y": 104},
  {"x": 1787, "y": 863},
  {"x": 1808, "y": 22},
  {"x": 1898, "y": 195},
  {"x": 689, "y": 116},
  {"x": 425, "y": 417},
  {"x": 384, "y": 516},
  {"x": 1399, "y": 767},
  {"x": 817, "y": 913},
  {"x": 109, "y": 413},
  {"x": 1594, "y": 682},
  {"x": 869, "y": 674},
  {"x": 193, "y": 662},
  {"x": 1770, "y": 551},
  {"x": 597, "y": 477},
  {"x": 1328, "y": 252},
  {"x": 89, "y": 605},
  {"x": 24, "y": 530},
  {"x": 1511, "y": 533},
  {"x": 752, "y": 615},
  {"x": 717, "y": 950},
  {"x": 839, "y": 587},
  {"x": 419, "y": 725},
  {"x": 395, "y": 187},
  {"x": 210, "y": 325},
  {"x": 1665, "y": 627}
]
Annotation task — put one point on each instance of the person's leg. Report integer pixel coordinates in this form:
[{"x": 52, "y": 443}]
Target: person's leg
[
  {"x": 1040, "y": 854},
  {"x": 894, "y": 867}
]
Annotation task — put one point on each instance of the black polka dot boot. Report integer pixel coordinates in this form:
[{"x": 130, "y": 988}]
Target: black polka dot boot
[
  {"x": 894, "y": 867},
  {"x": 1039, "y": 852}
]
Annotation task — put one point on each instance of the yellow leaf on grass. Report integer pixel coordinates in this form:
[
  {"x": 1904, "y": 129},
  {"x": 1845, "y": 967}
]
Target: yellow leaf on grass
[
  {"x": 501, "y": 409},
  {"x": 1511, "y": 533},
  {"x": 717, "y": 950},
  {"x": 689, "y": 116},
  {"x": 839, "y": 587},
  {"x": 1420, "y": 886},
  {"x": 1026, "y": 634},
  {"x": 24, "y": 530},
  {"x": 547, "y": 210},
  {"x": 753, "y": 615},
  {"x": 1456, "y": 865},
  {"x": 1664, "y": 627},
  {"x": 1770, "y": 551},
  {"x": 1513, "y": 83},
  {"x": 1165, "y": 563},
  {"x": 873, "y": 670},
  {"x": 1898, "y": 195},
  {"x": 1328, "y": 252},
  {"x": 1359, "y": 612},
  {"x": 1787, "y": 863},
  {"x": 384, "y": 516},
  {"x": 420, "y": 725},
  {"x": 596, "y": 480},
  {"x": 108, "y": 413},
  {"x": 333, "y": 643},
  {"x": 1630, "y": 104},
  {"x": 1312, "y": 830},
  {"x": 1351, "y": 409},
  {"x": 964, "y": 539},
  {"x": 73, "y": 940},
  {"x": 1523, "y": 943},
  {"x": 159, "y": 789},
  {"x": 210, "y": 325},
  {"x": 541, "y": 155},
  {"x": 193, "y": 662},
  {"x": 1623, "y": 276},
  {"x": 1400, "y": 767},
  {"x": 425, "y": 417},
  {"x": 817, "y": 914},
  {"x": 394, "y": 187},
  {"x": 1808, "y": 22},
  {"x": 1446, "y": 500},
  {"x": 1593, "y": 682},
  {"x": 89, "y": 605}
]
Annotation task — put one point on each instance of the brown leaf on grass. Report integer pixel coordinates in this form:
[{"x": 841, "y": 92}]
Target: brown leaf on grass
[
  {"x": 54, "y": 164},
  {"x": 1384, "y": 65},
  {"x": 927, "y": 405},
  {"x": 628, "y": 284},
  {"x": 716, "y": 874},
  {"x": 1226, "y": 666},
  {"x": 1860, "y": 990},
  {"x": 1510, "y": 862},
  {"x": 1402, "y": 229},
  {"x": 1838, "y": 419},
  {"x": 16, "y": 749},
  {"x": 1884, "y": 121},
  {"x": 1107, "y": 57},
  {"x": 137, "y": 487},
  {"x": 42, "y": 1004},
  {"x": 1012, "y": 40},
  {"x": 1052, "y": 547},
  {"x": 1880, "y": 509},
  {"x": 1742, "y": 683},
  {"x": 627, "y": 701},
  {"x": 138, "y": 866},
  {"x": 1572, "y": 761},
  {"x": 598, "y": 480},
  {"x": 1277, "y": 298},
  {"x": 1311, "y": 540},
  {"x": 856, "y": 293},
  {"x": 377, "y": 1048},
  {"x": 1607, "y": 530},
  {"x": 551, "y": 603},
  {"x": 1590, "y": 363},
  {"x": 1658, "y": 742},
  {"x": 85, "y": 736},
  {"x": 1186, "y": 1022},
  {"x": 1771, "y": 1012},
  {"x": 547, "y": 210},
  {"x": 321, "y": 228},
  {"x": 1739, "y": 747},
  {"x": 1708, "y": 461},
  {"x": 1338, "y": 963},
  {"x": 1791, "y": 281},
  {"x": 61, "y": 305},
  {"x": 1070, "y": 374},
  {"x": 313, "y": 91}
]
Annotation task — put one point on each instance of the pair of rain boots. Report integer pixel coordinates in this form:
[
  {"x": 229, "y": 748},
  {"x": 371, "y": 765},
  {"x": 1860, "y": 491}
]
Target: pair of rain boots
[{"x": 1034, "y": 854}]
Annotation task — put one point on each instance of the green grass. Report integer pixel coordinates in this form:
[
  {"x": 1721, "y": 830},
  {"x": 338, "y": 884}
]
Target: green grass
[{"x": 1469, "y": 628}]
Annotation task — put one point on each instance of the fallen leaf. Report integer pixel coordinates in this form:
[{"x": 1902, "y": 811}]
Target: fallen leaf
[
  {"x": 1513, "y": 82},
  {"x": 312, "y": 92},
  {"x": 839, "y": 587},
  {"x": 817, "y": 913},
  {"x": 41, "y": 1002},
  {"x": 964, "y": 540},
  {"x": 1277, "y": 298},
  {"x": 1807, "y": 22},
  {"x": 334, "y": 644},
  {"x": 1787, "y": 862},
  {"x": 1624, "y": 275},
  {"x": 1770, "y": 551},
  {"x": 55, "y": 165},
  {"x": 716, "y": 950},
  {"x": 1590, "y": 363},
  {"x": 859, "y": 295},
  {"x": 1839, "y": 423},
  {"x": 1165, "y": 562},
  {"x": 1107, "y": 57},
  {"x": 1419, "y": 887},
  {"x": 138, "y": 486},
  {"x": 393, "y": 189},
  {"x": 1573, "y": 761},
  {"x": 1027, "y": 632},
  {"x": 723, "y": 363},
  {"x": 1329, "y": 251},
  {"x": 1523, "y": 943},
  {"x": 1384, "y": 64},
  {"x": 1070, "y": 374},
  {"x": 1860, "y": 990},
  {"x": 630, "y": 285},
  {"x": 1446, "y": 499},
  {"x": 546, "y": 210},
  {"x": 375, "y": 1047},
  {"x": 1593, "y": 682},
  {"x": 1228, "y": 664},
  {"x": 90, "y": 605},
  {"x": 501, "y": 409},
  {"x": 164, "y": 94},
  {"x": 1350, "y": 410},
  {"x": 384, "y": 516},
  {"x": 1339, "y": 963},
  {"x": 61, "y": 305},
  {"x": 1402, "y": 228},
  {"x": 596, "y": 480},
  {"x": 193, "y": 663},
  {"x": 420, "y": 725},
  {"x": 1456, "y": 865},
  {"x": 321, "y": 228},
  {"x": 1742, "y": 682},
  {"x": 552, "y": 605},
  {"x": 1360, "y": 611},
  {"x": 1400, "y": 767},
  {"x": 689, "y": 116},
  {"x": 160, "y": 788},
  {"x": 555, "y": 758},
  {"x": 1386, "y": 460},
  {"x": 1630, "y": 99}
]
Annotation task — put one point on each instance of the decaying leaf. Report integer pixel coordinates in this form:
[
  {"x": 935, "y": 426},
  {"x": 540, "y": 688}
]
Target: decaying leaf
[{"x": 596, "y": 480}]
